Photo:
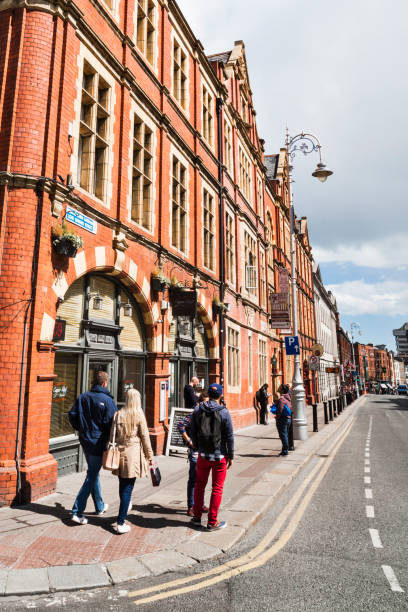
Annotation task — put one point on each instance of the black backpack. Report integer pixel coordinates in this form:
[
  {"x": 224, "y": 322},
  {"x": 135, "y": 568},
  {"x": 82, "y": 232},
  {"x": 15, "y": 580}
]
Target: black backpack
[{"x": 208, "y": 430}]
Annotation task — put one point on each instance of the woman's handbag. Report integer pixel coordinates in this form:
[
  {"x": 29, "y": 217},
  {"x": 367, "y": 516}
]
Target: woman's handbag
[
  {"x": 111, "y": 457},
  {"x": 155, "y": 474}
]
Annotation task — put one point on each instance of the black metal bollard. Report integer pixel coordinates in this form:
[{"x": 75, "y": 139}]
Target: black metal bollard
[
  {"x": 330, "y": 410},
  {"x": 290, "y": 436},
  {"x": 326, "y": 416},
  {"x": 339, "y": 406},
  {"x": 315, "y": 423},
  {"x": 334, "y": 408}
]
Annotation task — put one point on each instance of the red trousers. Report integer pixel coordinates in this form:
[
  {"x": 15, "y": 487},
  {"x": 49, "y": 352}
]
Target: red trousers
[{"x": 218, "y": 470}]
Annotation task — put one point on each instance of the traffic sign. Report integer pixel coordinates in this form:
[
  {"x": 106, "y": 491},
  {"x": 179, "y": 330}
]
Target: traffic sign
[
  {"x": 292, "y": 345},
  {"x": 314, "y": 362}
]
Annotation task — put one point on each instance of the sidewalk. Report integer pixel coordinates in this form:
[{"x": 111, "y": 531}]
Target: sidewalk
[{"x": 42, "y": 550}]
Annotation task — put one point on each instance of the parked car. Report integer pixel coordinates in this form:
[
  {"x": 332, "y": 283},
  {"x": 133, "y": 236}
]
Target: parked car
[{"x": 402, "y": 390}]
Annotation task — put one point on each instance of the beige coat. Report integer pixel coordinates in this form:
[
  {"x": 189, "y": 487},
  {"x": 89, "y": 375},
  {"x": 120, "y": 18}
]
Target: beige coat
[{"x": 135, "y": 451}]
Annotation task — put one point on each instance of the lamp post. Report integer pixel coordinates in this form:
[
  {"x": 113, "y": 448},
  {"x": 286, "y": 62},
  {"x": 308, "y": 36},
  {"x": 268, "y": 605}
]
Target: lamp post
[
  {"x": 354, "y": 326},
  {"x": 306, "y": 143}
]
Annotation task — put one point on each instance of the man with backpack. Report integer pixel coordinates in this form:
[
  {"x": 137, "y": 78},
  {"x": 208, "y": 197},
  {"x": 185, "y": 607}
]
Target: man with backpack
[
  {"x": 284, "y": 417},
  {"x": 212, "y": 435}
]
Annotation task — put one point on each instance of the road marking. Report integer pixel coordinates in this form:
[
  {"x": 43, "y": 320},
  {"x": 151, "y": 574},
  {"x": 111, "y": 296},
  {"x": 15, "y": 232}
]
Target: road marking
[
  {"x": 369, "y": 493},
  {"x": 370, "y": 511},
  {"x": 367, "y": 479},
  {"x": 392, "y": 579},
  {"x": 366, "y": 462},
  {"x": 367, "y": 454},
  {"x": 367, "y": 469},
  {"x": 253, "y": 558},
  {"x": 375, "y": 538}
]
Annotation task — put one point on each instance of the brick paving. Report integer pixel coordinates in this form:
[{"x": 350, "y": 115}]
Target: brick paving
[{"x": 41, "y": 534}]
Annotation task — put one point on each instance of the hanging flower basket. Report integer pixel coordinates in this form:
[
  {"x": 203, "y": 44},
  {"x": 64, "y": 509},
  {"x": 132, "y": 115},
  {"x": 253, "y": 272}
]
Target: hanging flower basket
[
  {"x": 159, "y": 281},
  {"x": 65, "y": 242}
]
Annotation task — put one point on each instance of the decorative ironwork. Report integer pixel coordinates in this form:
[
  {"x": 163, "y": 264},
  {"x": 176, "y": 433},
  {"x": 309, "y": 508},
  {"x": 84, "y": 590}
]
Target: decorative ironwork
[{"x": 305, "y": 143}]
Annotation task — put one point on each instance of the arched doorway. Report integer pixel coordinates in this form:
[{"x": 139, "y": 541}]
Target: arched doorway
[
  {"x": 189, "y": 345},
  {"x": 100, "y": 327}
]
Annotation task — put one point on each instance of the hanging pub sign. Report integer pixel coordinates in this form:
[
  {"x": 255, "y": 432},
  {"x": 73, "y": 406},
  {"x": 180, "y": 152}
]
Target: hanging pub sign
[
  {"x": 183, "y": 303},
  {"x": 59, "y": 330}
]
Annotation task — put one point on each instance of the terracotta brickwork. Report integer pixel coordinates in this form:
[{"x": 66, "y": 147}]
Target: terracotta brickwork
[{"x": 74, "y": 74}]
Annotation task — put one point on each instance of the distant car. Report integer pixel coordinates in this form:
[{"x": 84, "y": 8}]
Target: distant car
[{"x": 402, "y": 390}]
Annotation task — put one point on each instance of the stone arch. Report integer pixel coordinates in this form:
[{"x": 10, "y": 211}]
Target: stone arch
[
  {"x": 209, "y": 325},
  {"x": 113, "y": 263}
]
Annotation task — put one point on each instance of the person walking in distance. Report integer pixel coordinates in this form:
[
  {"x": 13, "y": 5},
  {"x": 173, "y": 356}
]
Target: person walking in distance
[
  {"x": 133, "y": 440},
  {"x": 284, "y": 417},
  {"x": 262, "y": 400},
  {"x": 190, "y": 394},
  {"x": 91, "y": 416},
  {"x": 212, "y": 435}
]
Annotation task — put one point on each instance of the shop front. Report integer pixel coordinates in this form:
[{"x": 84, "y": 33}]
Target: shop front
[{"x": 99, "y": 327}]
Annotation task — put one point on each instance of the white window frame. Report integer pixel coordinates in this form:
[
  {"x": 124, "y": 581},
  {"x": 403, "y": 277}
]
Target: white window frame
[
  {"x": 262, "y": 360},
  {"x": 85, "y": 55},
  {"x": 247, "y": 192},
  {"x": 176, "y": 38},
  {"x": 141, "y": 113},
  {"x": 250, "y": 361},
  {"x": 154, "y": 62},
  {"x": 231, "y": 215},
  {"x": 174, "y": 152},
  {"x": 229, "y": 159},
  {"x": 211, "y": 193},
  {"x": 260, "y": 197},
  {"x": 205, "y": 83},
  {"x": 236, "y": 329}
]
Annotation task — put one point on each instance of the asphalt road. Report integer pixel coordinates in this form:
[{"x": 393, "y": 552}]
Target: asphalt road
[{"x": 348, "y": 552}]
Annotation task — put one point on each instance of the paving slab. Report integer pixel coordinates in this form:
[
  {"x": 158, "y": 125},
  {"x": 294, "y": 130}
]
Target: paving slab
[
  {"x": 250, "y": 502},
  {"x": 240, "y": 519},
  {"x": 224, "y": 538},
  {"x": 123, "y": 570},
  {"x": 165, "y": 560},
  {"x": 27, "y": 581},
  {"x": 200, "y": 551},
  {"x": 73, "y": 577}
]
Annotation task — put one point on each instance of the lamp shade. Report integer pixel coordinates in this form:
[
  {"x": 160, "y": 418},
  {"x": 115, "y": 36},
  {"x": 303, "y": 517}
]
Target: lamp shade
[{"x": 321, "y": 173}]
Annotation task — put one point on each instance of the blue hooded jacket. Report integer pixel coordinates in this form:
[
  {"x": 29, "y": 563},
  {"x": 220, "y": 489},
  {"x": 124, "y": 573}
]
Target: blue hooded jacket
[
  {"x": 227, "y": 432},
  {"x": 91, "y": 416}
]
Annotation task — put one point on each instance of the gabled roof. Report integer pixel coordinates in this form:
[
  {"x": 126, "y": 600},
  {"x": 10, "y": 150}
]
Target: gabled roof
[
  {"x": 271, "y": 164},
  {"x": 220, "y": 57}
]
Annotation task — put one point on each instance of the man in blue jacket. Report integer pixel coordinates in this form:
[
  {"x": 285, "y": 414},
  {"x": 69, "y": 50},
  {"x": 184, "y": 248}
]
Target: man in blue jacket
[
  {"x": 212, "y": 435},
  {"x": 91, "y": 416}
]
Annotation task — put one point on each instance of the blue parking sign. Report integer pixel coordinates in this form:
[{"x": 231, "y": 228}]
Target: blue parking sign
[{"x": 292, "y": 345}]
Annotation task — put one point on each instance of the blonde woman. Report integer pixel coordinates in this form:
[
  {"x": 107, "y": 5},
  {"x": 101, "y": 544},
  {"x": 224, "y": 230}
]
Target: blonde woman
[{"x": 132, "y": 438}]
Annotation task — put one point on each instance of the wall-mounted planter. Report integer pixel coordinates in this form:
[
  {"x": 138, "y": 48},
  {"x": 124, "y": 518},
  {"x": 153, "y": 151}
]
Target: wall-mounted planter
[{"x": 64, "y": 246}]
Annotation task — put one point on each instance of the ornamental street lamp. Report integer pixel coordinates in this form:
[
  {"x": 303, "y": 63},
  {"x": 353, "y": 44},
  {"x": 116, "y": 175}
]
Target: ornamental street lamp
[
  {"x": 306, "y": 143},
  {"x": 354, "y": 327}
]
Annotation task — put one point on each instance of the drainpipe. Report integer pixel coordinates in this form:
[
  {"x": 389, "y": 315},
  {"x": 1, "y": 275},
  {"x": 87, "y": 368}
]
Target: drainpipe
[
  {"x": 221, "y": 235},
  {"x": 39, "y": 191}
]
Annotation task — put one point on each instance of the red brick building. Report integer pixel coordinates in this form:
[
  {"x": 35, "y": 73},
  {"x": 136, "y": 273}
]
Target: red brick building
[{"x": 365, "y": 362}]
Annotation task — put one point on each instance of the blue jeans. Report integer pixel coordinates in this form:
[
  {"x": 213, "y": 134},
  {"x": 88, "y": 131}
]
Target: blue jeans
[
  {"x": 283, "y": 430},
  {"x": 125, "y": 493},
  {"x": 91, "y": 486},
  {"x": 191, "y": 481}
]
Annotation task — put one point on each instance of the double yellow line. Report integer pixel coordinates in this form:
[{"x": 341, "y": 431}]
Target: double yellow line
[{"x": 262, "y": 552}]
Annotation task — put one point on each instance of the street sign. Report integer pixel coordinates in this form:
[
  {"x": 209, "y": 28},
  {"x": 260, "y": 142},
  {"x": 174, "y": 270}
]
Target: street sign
[
  {"x": 292, "y": 345},
  {"x": 317, "y": 350},
  {"x": 314, "y": 362},
  {"x": 74, "y": 216}
]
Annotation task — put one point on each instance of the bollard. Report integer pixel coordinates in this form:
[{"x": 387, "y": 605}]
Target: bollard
[
  {"x": 315, "y": 423},
  {"x": 330, "y": 410},
  {"x": 326, "y": 416},
  {"x": 334, "y": 408},
  {"x": 339, "y": 409},
  {"x": 290, "y": 436}
]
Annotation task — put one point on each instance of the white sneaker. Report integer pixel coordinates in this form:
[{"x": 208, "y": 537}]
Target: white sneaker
[
  {"x": 122, "y": 528},
  {"x": 105, "y": 507},
  {"x": 79, "y": 519}
]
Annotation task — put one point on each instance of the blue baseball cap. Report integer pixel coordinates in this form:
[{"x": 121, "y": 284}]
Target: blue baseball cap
[{"x": 215, "y": 390}]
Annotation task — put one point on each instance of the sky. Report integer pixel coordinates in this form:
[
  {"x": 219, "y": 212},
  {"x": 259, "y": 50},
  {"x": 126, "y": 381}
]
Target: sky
[{"x": 337, "y": 70}]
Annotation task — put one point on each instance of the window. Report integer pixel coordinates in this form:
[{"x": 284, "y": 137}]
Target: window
[
  {"x": 207, "y": 116},
  {"x": 244, "y": 108},
  {"x": 269, "y": 233},
  {"x": 179, "y": 205},
  {"x": 233, "y": 357},
  {"x": 263, "y": 374},
  {"x": 260, "y": 198},
  {"x": 230, "y": 247},
  {"x": 142, "y": 174},
  {"x": 250, "y": 264},
  {"x": 228, "y": 156},
  {"x": 244, "y": 174},
  {"x": 93, "y": 152},
  {"x": 179, "y": 75},
  {"x": 262, "y": 271},
  {"x": 208, "y": 230},
  {"x": 250, "y": 367},
  {"x": 145, "y": 34}
]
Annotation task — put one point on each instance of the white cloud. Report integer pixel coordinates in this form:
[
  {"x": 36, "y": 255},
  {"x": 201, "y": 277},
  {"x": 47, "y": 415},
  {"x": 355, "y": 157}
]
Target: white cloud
[
  {"x": 387, "y": 252},
  {"x": 389, "y": 298}
]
